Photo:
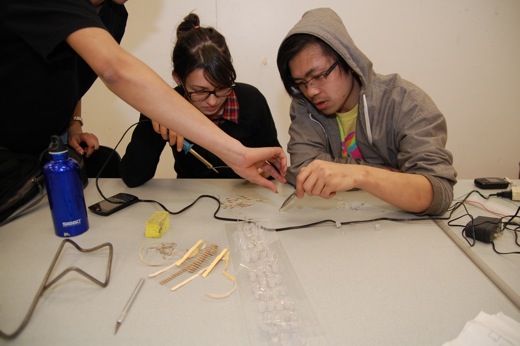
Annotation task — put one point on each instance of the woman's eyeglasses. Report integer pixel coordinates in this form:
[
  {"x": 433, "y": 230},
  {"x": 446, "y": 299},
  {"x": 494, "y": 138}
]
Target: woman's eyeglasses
[{"x": 198, "y": 96}]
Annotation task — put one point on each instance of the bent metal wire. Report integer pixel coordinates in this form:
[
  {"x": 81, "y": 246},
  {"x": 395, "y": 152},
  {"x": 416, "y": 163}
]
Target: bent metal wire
[{"x": 46, "y": 284}]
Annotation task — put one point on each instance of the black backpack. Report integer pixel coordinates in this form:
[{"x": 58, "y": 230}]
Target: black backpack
[
  {"x": 22, "y": 185},
  {"x": 21, "y": 181}
]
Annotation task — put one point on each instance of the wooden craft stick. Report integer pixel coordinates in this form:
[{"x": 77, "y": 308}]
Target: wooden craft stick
[
  {"x": 162, "y": 270},
  {"x": 187, "y": 254},
  {"x": 215, "y": 261},
  {"x": 187, "y": 280}
]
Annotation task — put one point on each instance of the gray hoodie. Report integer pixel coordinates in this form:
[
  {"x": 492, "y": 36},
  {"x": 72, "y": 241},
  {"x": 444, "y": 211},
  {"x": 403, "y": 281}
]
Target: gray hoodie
[{"x": 398, "y": 125}]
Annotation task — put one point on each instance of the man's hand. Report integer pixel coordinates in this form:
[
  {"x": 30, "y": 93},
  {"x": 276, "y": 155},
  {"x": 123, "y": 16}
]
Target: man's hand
[
  {"x": 76, "y": 136},
  {"x": 324, "y": 179},
  {"x": 408, "y": 191}
]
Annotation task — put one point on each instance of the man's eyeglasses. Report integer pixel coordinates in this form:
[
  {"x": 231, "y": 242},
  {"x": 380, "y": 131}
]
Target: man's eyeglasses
[
  {"x": 198, "y": 96},
  {"x": 316, "y": 81}
]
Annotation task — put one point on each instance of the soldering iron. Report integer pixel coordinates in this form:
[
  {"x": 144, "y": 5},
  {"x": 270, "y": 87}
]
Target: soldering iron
[{"x": 187, "y": 148}]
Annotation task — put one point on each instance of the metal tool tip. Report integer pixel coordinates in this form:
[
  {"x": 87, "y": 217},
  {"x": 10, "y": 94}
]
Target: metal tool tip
[{"x": 287, "y": 201}]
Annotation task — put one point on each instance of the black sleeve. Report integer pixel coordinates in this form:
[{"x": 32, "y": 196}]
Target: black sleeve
[
  {"x": 142, "y": 155},
  {"x": 43, "y": 25},
  {"x": 266, "y": 136},
  {"x": 256, "y": 118}
]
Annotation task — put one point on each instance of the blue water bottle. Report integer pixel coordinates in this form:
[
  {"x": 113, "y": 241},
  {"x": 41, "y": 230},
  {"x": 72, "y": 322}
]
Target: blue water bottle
[{"x": 65, "y": 191}]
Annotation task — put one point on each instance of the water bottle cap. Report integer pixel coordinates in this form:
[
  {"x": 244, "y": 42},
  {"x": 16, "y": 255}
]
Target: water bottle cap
[{"x": 56, "y": 146}]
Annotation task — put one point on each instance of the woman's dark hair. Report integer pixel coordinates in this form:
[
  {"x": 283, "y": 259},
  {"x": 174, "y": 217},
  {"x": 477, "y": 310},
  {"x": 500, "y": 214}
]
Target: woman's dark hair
[
  {"x": 293, "y": 45},
  {"x": 205, "y": 48}
]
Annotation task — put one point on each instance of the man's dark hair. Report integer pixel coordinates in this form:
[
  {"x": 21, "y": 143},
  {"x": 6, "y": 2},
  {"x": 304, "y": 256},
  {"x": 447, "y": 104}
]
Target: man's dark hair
[{"x": 293, "y": 45}]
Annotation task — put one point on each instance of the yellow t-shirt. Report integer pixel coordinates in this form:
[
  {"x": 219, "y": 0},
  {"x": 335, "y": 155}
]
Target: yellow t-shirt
[{"x": 347, "y": 129}]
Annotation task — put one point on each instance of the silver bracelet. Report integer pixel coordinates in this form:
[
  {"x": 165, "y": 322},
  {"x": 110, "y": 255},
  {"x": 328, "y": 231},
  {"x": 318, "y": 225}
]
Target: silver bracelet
[{"x": 78, "y": 118}]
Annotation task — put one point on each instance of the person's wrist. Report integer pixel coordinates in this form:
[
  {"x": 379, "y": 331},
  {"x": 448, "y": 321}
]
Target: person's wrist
[
  {"x": 78, "y": 118},
  {"x": 359, "y": 175}
]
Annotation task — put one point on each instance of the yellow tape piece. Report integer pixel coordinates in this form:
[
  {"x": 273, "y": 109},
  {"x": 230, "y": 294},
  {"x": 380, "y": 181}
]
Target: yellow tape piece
[{"x": 230, "y": 277}]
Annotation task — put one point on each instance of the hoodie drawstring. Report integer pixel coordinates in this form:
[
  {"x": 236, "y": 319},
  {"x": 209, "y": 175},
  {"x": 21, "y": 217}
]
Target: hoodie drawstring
[{"x": 367, "y": 119}]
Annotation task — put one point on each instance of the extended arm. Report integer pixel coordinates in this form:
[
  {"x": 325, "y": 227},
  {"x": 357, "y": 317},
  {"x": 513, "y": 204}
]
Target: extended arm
[{"x": 135, "y": 83}]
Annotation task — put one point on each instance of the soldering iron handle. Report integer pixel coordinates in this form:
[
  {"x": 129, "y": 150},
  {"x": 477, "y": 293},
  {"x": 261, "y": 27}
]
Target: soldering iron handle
[{"x": 186, "y": 146}]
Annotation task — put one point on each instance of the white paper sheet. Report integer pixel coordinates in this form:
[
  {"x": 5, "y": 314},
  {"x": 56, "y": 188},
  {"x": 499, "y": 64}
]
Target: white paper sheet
[{"x": 488, "y": 330}]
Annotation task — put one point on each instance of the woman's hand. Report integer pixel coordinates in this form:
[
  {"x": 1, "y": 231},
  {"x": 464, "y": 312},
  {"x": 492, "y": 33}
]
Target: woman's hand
[{"x": 168, "y": 135}]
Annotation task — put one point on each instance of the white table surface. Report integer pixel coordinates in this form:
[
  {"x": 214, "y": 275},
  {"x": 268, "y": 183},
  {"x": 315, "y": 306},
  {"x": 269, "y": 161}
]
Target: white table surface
[{"x": 376, "y": 283}]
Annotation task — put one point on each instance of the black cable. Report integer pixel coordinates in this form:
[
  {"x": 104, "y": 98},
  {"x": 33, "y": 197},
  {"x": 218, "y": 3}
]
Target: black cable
[
  {"x": 511, "y": 223},
  {"x": 154, "y": 201},
  {"x": 191, "y": 205},
  {"x": 451, "y": 210},
  {"x": 504, "y": 253},
  {"x": 108, "y": 160},
  {"x": 504, "y": 194},
  {"x": 502, "y": 225},
  {"x": 473, "y": 232}
]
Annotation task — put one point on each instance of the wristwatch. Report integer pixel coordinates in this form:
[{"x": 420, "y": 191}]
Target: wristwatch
[{"x": 78, "y": 118}]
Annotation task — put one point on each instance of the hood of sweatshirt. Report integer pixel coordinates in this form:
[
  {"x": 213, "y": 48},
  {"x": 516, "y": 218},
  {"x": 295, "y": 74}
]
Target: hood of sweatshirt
[{"x": 335, "y": 35}]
